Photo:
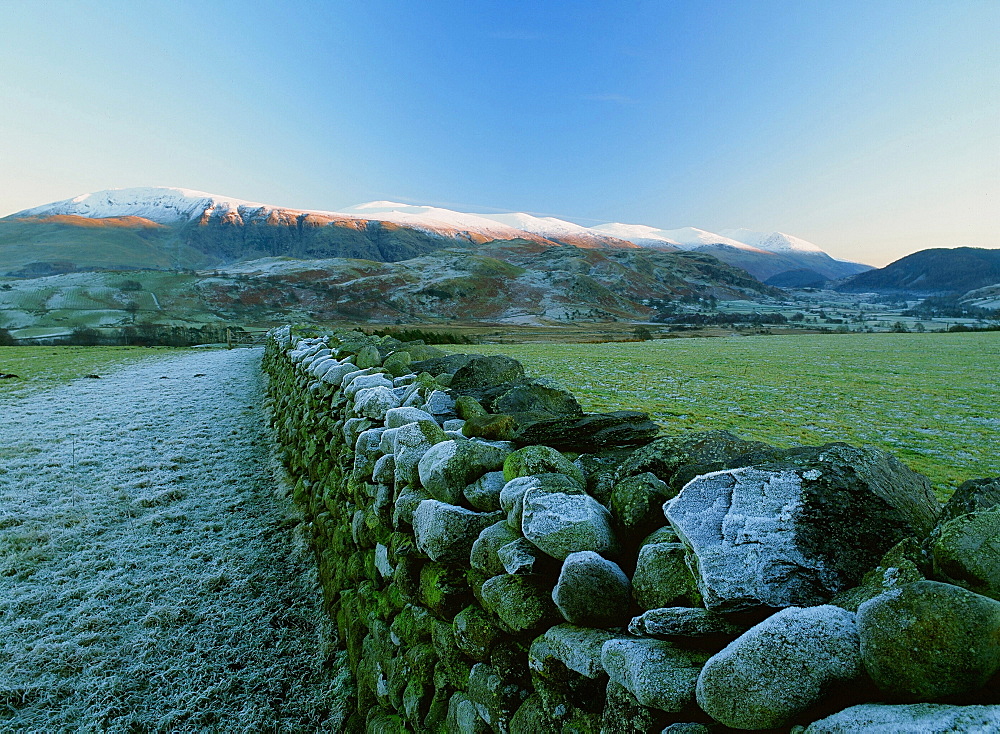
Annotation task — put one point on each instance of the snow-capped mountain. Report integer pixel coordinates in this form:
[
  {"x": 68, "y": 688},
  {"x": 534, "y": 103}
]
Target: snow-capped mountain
[{"x": 227, "y": 229}]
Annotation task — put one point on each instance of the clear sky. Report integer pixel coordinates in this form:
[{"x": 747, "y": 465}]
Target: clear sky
[{"x": 871, "y": 128}]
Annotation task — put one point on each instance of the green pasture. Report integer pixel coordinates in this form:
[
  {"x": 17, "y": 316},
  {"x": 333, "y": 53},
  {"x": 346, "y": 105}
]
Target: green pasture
[
  {"x": 42, "y": 367},
  {"x": 931, "y": 399}
]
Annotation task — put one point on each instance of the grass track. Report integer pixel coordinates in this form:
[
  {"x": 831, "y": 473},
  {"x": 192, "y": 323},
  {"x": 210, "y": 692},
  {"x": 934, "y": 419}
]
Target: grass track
[{"x": 931, "y": 399}]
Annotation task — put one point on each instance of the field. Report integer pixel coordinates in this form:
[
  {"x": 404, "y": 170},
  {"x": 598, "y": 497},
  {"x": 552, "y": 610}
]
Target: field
[
  {"x": 928, "y": 398},
  {"x": 42, "y": 367}
]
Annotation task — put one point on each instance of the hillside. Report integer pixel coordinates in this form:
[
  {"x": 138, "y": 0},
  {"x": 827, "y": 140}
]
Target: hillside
[
  {"x": 181, "y": 228},
  {"x": 938, "y": 271}
]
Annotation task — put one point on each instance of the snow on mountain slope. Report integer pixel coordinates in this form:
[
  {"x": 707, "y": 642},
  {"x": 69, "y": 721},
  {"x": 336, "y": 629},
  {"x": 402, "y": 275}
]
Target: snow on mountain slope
[
  {"x": 772, "y": 241},
  {"x": 687, "y": 238},
  {"x": 161, "y": 205},
  {"x": 431, "y": 217}
]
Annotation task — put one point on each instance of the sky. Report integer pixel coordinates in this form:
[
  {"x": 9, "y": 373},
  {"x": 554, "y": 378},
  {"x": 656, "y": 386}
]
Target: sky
[{"x": 869, "y": 128}]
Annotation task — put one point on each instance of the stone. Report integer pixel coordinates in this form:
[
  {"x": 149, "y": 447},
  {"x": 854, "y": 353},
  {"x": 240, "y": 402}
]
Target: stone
[
  {"x": 780, "y": 667},
  {"x": 532, "y": 460},
  {"x": 336, "y": 373},
  {"x": 388, "y": 443},
  {"x": 476, "y": 633},
  {"x": 966, "y": 552},
  {"x": 491, "y": 427},
  {"x": 413, "y": 441},
  {"x": 658, "y": 674},
  {"x": 519, "y": 556},
  {"x": 928, "y": 640},
  {"x": 384, "y": 471},
  {"x": 916, "y": 718},
  {"x": 397, "y": 364},
  {"x": 601, "y": 469},
  {"x": 680, "y": 458},
  {"x": 902, "y": 564},
  {"x": 368, "y": 356},
  {"x": 447, "y": 467},
  {"x": 463, "y": 716},
  {"x": 446, "y": 532},
  {"x": 972, "y": 496},
  {"x": 662, "y": 577},
  {"x": 454, "y": 425},
  {"x": 367, "y": 452},
  {"x": 523, "y": 603},
  {"x": 687, "y": 622},
  {"x": 479, "y": 372},
  {"x": 484, "y": 493},
  {"x": 637, "y": 502},
  {"x": 592, "y": 591},
  {"x": 512, "y": 493},
  {"x": 484, "y": 555},
  {"x": 443, "y": 589},
  {"x": 439, "y": 403},
  {"x": 396, "y": 417},
  {"x": 353, "y": 428},
  {"x": 530, "y": 401},
  {"x": 353, "y": 383},
  {"x": 374, "y": 402},
  {"x": 495, "y": 699},
  {"x": 561, "y": 524},
  {"x": 531, "y": 718},
  {"x": 623, "y": 714},
  {"x": 467, "y": 407},
  {"x": 406, "y": 503},
  {"x": 591, "y": 432},
  {"x": 579, "y": 648},
  {"x": 799, "y": 531}
]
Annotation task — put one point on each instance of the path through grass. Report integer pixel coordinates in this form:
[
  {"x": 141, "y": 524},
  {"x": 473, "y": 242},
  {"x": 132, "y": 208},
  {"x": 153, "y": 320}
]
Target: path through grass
[
  {"x": 929, "y": 398},
  {"x": 154, "y": 575}
]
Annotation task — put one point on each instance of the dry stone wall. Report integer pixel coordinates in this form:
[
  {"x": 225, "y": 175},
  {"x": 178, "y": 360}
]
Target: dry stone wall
[{"x": 498, "y": 560}]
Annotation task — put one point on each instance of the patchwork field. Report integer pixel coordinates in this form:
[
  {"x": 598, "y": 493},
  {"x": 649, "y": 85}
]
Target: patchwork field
[{"x": 928, "y": 398}]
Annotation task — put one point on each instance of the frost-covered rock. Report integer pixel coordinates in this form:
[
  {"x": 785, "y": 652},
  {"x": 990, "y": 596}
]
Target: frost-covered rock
[
  {"x": 519, "y": 556},
  {"x": 560, "y": 523},
  {"x": 446, "y": 532},
  {"x": 363, "y": 382},
  {"x": 579, "y": 648},
  {"x": 336, "y": 372},
  {"x": 413, "y": 441},
  {"x": 637, "y": 502},
  {"x": 592, "y": 591},
  {"x": 354, "y": 427},
  {"x": 453, "y": 424},
  {"x": 928, "y": 640},
  {"x": 373, "y": 402},
  {"x": 780, "y": 667},
  {"x": 449, "y": 466},
  {"x": 384, "y": 471},
  {"x": 797, "y": 532},
  {"x": 671, "y": 622},
  {"x": 355, "y": 374},
  {"x": 396, "y": 417},
  {"x": 439, "y": 404},
  {"x": 512, "y": 493},
  {"x": 367, "y": 452},
  {"x": 484, "y": 556},
  {"x": 484, "y": 493},
  {"x": 915, "y": 718},
  {"x": 655, "y": 672}
]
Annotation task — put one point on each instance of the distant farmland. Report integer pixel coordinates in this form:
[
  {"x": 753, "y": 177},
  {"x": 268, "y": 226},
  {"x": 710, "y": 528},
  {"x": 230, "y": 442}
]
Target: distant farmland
[{"x": 928, "y": 398}]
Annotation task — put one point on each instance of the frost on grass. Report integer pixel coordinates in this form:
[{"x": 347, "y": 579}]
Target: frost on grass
[{"x": 154, "y": 575}]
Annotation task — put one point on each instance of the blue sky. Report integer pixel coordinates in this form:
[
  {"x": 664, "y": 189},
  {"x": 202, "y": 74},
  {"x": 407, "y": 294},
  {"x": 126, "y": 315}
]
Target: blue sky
[{"x": 870, "y": 128}]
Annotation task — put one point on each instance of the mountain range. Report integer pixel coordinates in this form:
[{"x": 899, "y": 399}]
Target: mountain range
[
  {"x": 935, "y": 272},
  {"x": 170, "y": 228}
]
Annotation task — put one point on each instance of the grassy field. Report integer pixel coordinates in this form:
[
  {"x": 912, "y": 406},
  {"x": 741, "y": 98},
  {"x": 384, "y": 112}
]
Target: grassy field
[
  {"x": 931, "y": 399},
  {"x": 41, "y": 367}
]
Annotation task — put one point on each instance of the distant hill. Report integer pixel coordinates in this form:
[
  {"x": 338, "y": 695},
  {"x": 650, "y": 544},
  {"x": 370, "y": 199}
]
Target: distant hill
[
  {"x": 182, "y": 229},
  {"x": 938, "y": 271}
]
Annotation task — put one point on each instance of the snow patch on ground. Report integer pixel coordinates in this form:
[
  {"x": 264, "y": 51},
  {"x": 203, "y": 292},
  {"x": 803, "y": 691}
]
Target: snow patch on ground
[{"x": 154, "y": 574}]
